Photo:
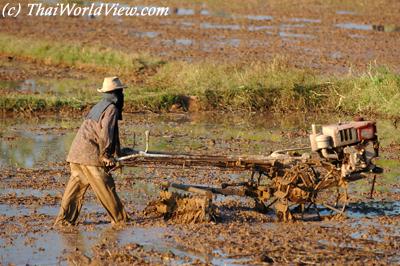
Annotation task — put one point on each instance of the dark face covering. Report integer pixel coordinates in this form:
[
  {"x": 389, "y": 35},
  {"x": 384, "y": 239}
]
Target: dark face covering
[{"x": 114, "y": 97}]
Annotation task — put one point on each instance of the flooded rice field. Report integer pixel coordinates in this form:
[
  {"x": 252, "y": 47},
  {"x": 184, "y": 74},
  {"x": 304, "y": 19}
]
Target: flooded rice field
[
  {"x": 332, "y": 37},
  {"x": 34, "y": 172}
]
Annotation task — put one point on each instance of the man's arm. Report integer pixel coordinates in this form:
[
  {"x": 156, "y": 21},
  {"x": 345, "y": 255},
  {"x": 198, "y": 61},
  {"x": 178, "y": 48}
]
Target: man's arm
[
  {"x": 108, "y": 125},
  {"x": 118, "y": 151}
]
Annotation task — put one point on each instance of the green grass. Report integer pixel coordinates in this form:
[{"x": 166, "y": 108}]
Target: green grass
[
  {"x": 74, "y": 54},
  {"x": 252, "y": 87},
  {"x": 260, "y": 86},
  {"x": 33, "y": 103},
  {"x": 270, "y": 86},
  {"x": 377, "y": 91}
]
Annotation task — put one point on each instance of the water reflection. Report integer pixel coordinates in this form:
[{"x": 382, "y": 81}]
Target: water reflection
[
  {"x": 345, "y": 12},
  {"x": 27, "y": 143},
  {"x": 56, "y": 246},
  {"x": 305, "y": 20},
  {"x": 32, "y": 143},
  {"x": 57, "y": 87},
  {"x": 204, "y": 12},
  {"x": 373, "y": 208},
  {"x": 207, "y": 25},
  {"x": 354, "y": 26},
  {"x": 257, "y": 28},
  {"x": 30, "y": 149},
  {"x": 22, "y": 210},
  {"x": 37, "y": 142},
  {"x": 260, "y": 17},
  {"x": 296, "y": 35},
  {"x": 147, "y": 34},
  {"x": 184, "y": 11}
]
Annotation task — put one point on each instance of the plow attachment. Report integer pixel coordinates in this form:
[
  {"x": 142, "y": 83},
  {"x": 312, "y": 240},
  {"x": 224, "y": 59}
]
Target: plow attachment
[
  {"x": 285, "y": 180},
  {"x": 189, "y": 160},
  {"x": 181, "y": 208}
]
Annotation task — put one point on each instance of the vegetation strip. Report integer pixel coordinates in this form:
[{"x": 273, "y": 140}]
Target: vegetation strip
[{"x": 259, "y": 86}]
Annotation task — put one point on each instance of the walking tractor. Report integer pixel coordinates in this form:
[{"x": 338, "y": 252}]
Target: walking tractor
[{"x": 292, "y": 180}]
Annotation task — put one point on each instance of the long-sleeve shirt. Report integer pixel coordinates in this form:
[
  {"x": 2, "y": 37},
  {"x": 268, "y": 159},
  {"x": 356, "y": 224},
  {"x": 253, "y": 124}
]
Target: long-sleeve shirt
[{"x": 96, "y": 139}]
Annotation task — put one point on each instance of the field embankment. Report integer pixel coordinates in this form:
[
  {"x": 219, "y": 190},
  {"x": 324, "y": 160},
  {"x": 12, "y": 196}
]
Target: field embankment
[{"x": 157, "y": 85}]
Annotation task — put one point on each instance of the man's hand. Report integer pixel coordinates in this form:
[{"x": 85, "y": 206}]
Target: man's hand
[{"x": 108, "y": 162}]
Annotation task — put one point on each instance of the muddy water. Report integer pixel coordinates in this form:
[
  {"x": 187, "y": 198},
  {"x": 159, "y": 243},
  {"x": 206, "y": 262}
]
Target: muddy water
[
  {"x": 29, "y": 143},
  {"x": 32, "y": 153}
]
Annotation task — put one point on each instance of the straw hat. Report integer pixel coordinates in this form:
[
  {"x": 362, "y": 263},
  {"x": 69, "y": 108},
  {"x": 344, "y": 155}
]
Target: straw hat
[{"x": 111, "y": 84}]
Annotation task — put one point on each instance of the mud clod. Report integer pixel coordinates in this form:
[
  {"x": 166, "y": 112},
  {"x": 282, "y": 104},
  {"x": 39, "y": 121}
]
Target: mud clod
[{"x": 184, "y": 209}]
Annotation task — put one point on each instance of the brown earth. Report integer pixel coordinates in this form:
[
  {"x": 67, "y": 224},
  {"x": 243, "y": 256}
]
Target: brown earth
[
  {"x": 304, "y": 33},
  {"x": 242, "y": 236}
]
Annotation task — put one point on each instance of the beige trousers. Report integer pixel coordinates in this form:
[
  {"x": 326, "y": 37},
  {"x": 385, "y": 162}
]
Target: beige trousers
[{"x": 102, "y": 183}]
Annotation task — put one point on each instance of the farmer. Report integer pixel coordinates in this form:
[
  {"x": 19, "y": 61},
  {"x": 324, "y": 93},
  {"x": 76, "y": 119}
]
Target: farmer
[{"x": 92, "y": 155}]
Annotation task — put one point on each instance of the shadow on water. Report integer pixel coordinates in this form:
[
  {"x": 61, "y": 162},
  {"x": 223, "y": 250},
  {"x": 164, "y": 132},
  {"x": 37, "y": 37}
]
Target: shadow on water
[{"x": 373, "y": 208}]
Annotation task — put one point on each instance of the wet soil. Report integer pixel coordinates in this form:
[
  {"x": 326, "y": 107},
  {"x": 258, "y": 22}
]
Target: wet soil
[
  {"x": 32, "y": 183},
  {"x": 332, "y": 37}
]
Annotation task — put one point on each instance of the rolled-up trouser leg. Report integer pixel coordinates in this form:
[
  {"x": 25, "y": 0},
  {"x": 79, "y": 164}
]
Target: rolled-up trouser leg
[
  {"x": 103, "y": 186},
  {"x": 71, "y": 203}
]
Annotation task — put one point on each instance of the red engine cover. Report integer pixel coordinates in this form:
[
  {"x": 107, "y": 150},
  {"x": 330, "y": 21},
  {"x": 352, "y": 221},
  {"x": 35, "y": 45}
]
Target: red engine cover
[{"x": 366, "y": 131}]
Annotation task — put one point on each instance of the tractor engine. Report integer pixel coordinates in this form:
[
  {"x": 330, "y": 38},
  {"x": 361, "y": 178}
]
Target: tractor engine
[{"x": 351, "y": 145}]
